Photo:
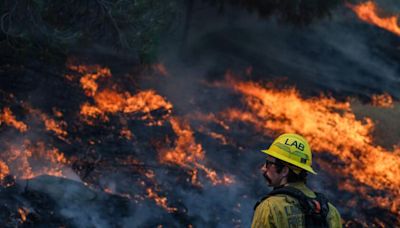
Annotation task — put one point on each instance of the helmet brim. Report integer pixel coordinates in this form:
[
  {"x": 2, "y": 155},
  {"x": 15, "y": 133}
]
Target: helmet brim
[{"x": 283, "y": 158}]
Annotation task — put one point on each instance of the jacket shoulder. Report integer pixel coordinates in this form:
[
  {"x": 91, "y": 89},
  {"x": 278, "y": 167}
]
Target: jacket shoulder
[{"x": 333, "y": 218}]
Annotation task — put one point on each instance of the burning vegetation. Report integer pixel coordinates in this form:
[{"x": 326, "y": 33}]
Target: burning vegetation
[
  {"x": 331, "y": 127},
  {"x": 370, "y": 13},
  {"x": 111, "y": 145},
  {"x": 334, "y": 131}
]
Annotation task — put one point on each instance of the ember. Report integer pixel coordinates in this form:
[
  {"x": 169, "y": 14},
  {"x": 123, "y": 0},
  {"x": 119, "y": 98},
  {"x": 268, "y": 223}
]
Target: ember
[{"x": 22, "y": 213}]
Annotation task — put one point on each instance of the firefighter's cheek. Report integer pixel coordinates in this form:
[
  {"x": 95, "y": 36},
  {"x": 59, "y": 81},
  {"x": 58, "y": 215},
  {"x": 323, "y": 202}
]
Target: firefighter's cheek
[{"x": 265, "y": 174}]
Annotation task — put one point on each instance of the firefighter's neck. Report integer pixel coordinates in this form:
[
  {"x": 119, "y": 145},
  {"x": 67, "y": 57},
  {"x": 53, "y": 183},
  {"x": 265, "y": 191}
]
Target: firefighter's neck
[{"x": 283, "y": 182}]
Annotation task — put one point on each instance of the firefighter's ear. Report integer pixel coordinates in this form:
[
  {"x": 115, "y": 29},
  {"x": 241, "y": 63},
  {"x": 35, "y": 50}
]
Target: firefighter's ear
[{"x": 285, "y": 171}]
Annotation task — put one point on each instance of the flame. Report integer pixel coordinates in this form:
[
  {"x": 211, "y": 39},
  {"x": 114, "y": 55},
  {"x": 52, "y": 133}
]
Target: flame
[
  {"x": 150, "y": 178},
  {"x": 10, "y": 120},
  {"x": 382, "y": 100},
  {"x": 109, "y": 190},
  {"x": 91, "y": 74},
  {"x": 112, "y": 101},
  {"x": 330, "y": 126},
  {"x": 126, "y": 133},
  {"x": 57, "y": 112},
  {"x": 88, "y": 110},
  {"x": 368, "y": 12},
  {"x": 23, "y": 213},
  {"x": 189, "y": 154},
  {"x": 160, "y": 201},
  {"x": 108, "y": 101},
  {"x": 186, "y": 150},
  {"x": 219, "y": 137},
  {"x": 4, "y": 170},
  {"x": 31, "y": 160},
  {"x": 147, "y": 180},
  {"x": 58, "y": 127}
]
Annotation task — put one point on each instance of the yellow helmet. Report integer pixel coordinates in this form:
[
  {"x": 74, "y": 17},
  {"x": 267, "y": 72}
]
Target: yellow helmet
[{"x": 293, "y": 149}]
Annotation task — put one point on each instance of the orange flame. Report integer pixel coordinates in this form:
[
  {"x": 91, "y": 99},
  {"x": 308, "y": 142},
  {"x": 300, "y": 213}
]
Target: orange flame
[
  {"x": 368, "y": 12},
  {"x": 147, "y": 178},
  {"x": 4, "y": 170},
  {"x": 111, "y": 101},
  {"x": 108, "y": 101},
  {"x": 57, "y": 112},
  {"x": 10, "y": 120},
  {"x": 160, "y": 201},
  {"x": 188, "y": 154},
  {"x": 382, "y": 100},
  {"x": 219, "y": 137},
  {"x": 31, "y": 160},
  {"x": 330, "y": 126},
  {"x": 58, "y": 127},
  {"x": 23, "y": 213},
  {"x": 88, "y": 110},
  {"x": 186, "y": 150},
  {"x": 91, "y": 74}
]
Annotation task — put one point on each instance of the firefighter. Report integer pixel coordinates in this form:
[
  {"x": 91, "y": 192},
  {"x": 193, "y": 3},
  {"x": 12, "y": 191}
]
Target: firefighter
[{"x": 291, "y": 203}]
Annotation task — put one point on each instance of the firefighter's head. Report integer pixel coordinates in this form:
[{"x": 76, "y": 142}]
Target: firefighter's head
[{"x": 289, "y": 159}]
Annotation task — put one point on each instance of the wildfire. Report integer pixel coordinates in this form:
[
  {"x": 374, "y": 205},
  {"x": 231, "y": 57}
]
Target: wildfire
[
  {"x": 189, "y": 154},
  {"x": 91, "y": 74},
  {"x": 30, "y": 160},
  {"x": 368, "y": 12},
  {"x": 58, "y": 127},
  {"x": 4, "y": 170},
  {"x": 186, "y": 150},
  {"x": 330, "y": 126},
  {"x": 8, "y": 118},
  {"x": 109, "y": 100},
  {"x": 218, "y": 137},
  {"x": 382, "y": 100},
  {"x": 23, "y": 213},
  {"x": 160, "y": 201}
]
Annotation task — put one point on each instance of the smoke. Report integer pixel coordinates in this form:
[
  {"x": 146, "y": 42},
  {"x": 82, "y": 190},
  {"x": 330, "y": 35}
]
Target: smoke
[
  {"x": 387, "y": 131},
  {"x": 339, "y": 55}
]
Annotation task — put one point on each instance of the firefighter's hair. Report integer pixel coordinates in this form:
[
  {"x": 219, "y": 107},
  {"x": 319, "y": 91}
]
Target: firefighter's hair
[{"x": 292, "y": 176}]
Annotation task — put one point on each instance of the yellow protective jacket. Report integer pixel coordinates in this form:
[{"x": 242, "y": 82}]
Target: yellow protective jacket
[{"x": 285, "y": 211}]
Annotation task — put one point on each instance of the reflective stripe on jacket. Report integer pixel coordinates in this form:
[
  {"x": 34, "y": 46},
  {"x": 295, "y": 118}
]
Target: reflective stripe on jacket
[{"x": 285, "y": 211}]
